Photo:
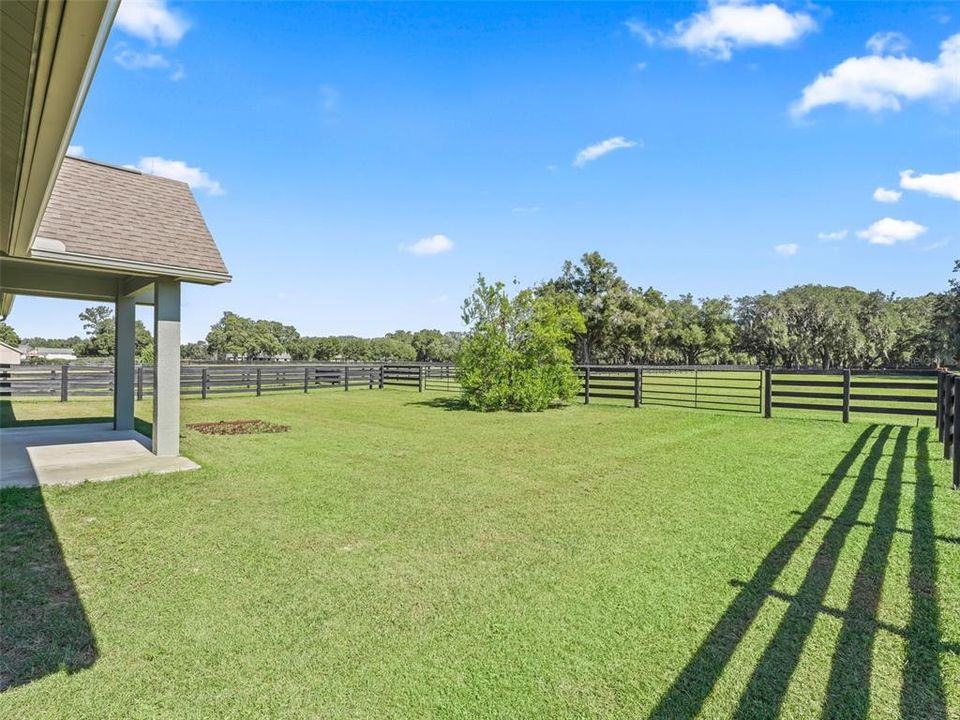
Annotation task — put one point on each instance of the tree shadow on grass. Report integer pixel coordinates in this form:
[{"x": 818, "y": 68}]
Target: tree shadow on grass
[
  {"x": 848, "y": 688},
  {"x": 456, "y": 403},
  {"x": 44, "y": 628},
  {"x": 442, "y": 403}
]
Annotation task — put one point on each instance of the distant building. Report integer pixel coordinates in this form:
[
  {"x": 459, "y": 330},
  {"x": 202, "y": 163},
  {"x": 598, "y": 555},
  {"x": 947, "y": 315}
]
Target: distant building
[
  {"x": 9, "y": 355},
  {"x": 283, "y": 357},
  {"x": 50, "y": 353}
]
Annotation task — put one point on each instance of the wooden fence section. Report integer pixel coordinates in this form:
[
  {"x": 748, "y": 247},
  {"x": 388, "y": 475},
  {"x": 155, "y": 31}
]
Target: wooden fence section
[
  {"x": 852, "y": 391},
  {"x": 66, "y": 381},
  {"x": 733, "y": 389},
  {"x": 948, "y": 419}
]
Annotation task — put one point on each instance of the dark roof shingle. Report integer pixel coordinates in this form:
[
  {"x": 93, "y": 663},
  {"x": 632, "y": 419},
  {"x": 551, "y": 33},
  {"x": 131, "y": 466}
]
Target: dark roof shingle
[{"x": 113, "y": 213}]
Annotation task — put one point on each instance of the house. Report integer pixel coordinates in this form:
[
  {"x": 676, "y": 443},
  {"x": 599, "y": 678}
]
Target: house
[
  {"x": 9, "y": 355},
  {"x": 78, "y": 229}
]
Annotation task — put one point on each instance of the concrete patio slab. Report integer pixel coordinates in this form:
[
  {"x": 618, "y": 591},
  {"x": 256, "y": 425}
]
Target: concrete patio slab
[{"x": 71, "y": 454}]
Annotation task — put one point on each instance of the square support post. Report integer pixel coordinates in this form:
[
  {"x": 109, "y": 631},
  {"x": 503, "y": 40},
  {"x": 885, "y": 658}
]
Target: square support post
[
  {"x": 125, "y": 357},
  {"x": 586, "y": 385},
  {"x": 166, "y": 372}
]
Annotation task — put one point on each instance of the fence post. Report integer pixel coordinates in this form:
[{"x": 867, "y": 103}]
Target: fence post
[
  {"x": 586, "y": 385},
  {"x": 696, "y": 388},
  {"x": 259, "y": 382},
  {"x": 949, "y": 418},
  {"x": 306, "y": 378},
  {"x": 767, "y": 393},
  {"x": 203, "y": 384},
  {"x": 369, "y": 379},
  {"x": 346, "y": 378},
  {"x": 956, "y": 432},
  {"x": 846, "y": 395},
  {"x": 64, "y": 382},
  {"x": 381, "y": 376},
  {"x": 420, "y": 379},
  {"x": 140, "y": 382},
  {"x": 936, "y": 416},
  {"x": 636, "y": 386},
  {"x": 943, "y": 378}
]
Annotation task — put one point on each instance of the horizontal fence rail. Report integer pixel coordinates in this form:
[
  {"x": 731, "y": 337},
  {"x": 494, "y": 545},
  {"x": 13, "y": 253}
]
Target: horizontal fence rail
[
  {"x": 734, "y": 389},
  {"x": 852, "y": 391},
  {"x": 67, "y": 381}
]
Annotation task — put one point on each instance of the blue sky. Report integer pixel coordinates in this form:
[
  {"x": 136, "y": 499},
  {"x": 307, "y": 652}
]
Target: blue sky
[{"x": 325, "y": 141}]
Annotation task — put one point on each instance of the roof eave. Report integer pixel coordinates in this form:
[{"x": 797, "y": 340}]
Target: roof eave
[
  {"x": 133, "y": 267},
  {"x": 67, "y": 49}
]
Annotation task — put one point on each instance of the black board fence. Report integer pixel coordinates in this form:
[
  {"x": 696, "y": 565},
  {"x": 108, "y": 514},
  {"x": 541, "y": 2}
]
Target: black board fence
[
  {"x": 753, "y": 390},
  {"x": 728, "y": 388},
  {"x": 873, "y": 392},
  {"x": 64, "y": 382}
]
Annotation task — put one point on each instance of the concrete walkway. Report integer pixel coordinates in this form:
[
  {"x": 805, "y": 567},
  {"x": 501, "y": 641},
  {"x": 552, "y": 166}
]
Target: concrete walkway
[{"x": 70, "y": 454}]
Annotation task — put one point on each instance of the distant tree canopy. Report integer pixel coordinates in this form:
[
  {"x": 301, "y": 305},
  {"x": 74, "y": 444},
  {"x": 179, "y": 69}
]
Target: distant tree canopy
[
  {"x": 807, "y": 325},
  {"x": 100, "y": 326},
  {"x": 802, "y": 326},
  {"x": 238, "y": 338},
  {"x": 9, "y": 335}
]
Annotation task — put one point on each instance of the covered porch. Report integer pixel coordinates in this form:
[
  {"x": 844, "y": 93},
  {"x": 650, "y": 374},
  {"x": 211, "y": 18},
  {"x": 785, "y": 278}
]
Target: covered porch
[
  {"x": 112, "y": 235},
  {"x": 68, "y": 454}
]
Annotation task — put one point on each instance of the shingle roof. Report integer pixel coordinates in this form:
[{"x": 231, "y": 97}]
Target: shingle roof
[{"x": 103, "y": 211}]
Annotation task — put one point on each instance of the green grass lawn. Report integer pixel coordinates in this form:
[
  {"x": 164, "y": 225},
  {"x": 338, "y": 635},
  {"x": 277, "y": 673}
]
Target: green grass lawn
[{"x": 393, "y": 556}]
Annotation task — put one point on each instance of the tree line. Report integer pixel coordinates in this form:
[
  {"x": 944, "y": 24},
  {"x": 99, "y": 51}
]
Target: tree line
[
  {"x": 802, "y": 326},
  {"x": 235, "y": 337}
]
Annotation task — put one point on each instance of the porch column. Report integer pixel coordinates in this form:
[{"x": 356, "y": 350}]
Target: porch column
[
  {"x": 124, "y": 354},
  {"x": 166, "y": 373}
]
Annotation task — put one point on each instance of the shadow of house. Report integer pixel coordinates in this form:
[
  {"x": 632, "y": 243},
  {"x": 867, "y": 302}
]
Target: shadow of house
[
  {"x": 44, "y": 629},
  {"x": 848, "y": 687}
]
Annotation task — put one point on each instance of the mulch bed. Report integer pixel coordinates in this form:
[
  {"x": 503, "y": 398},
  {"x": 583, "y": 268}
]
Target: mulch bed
[{"x": 238, "y": 427}]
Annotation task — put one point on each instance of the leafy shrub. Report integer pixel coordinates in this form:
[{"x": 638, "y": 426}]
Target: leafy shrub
[{"x": 516, "y": 355}]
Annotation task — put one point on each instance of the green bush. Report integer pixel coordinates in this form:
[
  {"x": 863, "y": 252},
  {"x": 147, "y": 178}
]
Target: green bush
[{"x": 516, "y": 355}]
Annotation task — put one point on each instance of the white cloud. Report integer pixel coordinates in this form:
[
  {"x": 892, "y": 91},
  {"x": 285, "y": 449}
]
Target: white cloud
[
  {"x": 945, "y": 185},
  {"x": 601, "y": 148},
  {"x": 886, "y": 43},
  {"x": 935, "y": 245},
  {"x": 76, "y": 150},
  {"x": 152, "y": 21},
  {"x": 178, "y": 74},
  {"x": 135, "y": 60},
  {"x": 642, "y": 31},
  {"x": 196, "y": 178},
  {"x": 526, "y": 210},
  {"x": 725, "y": 26},
  {"x": 786, "y": 249},
  {"x": 884, "y": 82},
  {"x": 886, "y": 196},
  {"x": 889, "y": 231},
  {"x": 835, "y": 235},
  {"x": 640, "y": 66},
  {"x": 429, "y": 246}
]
